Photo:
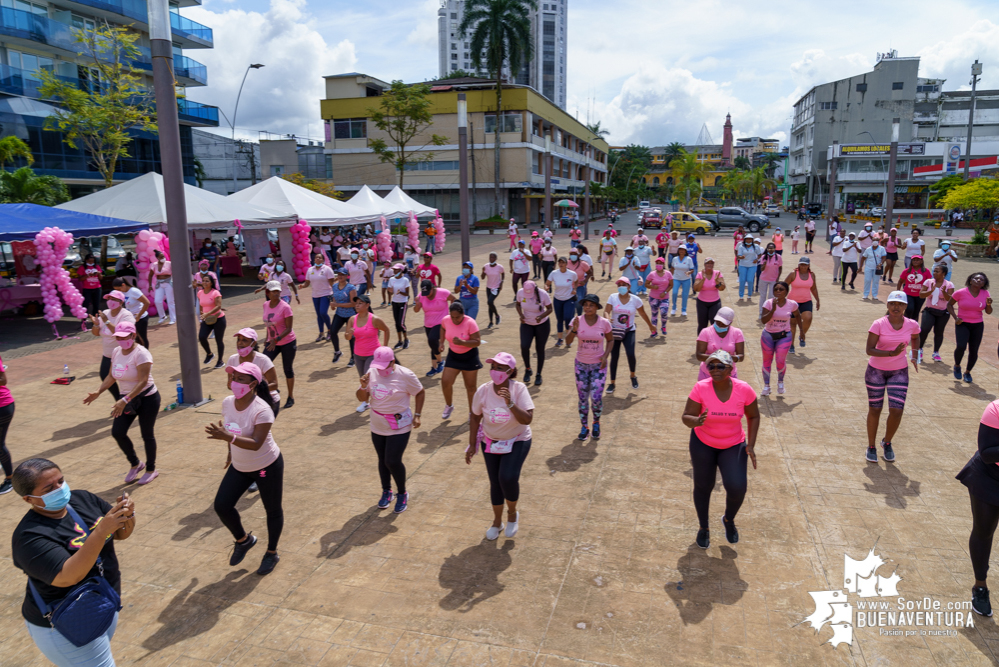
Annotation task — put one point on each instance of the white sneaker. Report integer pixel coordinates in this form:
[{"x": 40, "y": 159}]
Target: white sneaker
[
  {"x": 766, "y": 390},
  {"x": 211, "y": 335},
  {"x": 511, "y": 528},
  {"x": 673, "y": 313},
  {"x": 161, "y": 320},
  {"x": 780, "y": 387},
  {"x": 493, "y": 532},
  {"x": 173, "y": 322},
  {"x": 362, "y": 407},
  {"x": 683, "y": 313}
]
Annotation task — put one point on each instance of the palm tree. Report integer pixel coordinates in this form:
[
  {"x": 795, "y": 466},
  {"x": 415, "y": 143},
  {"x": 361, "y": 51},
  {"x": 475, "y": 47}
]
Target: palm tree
[
  {"x": 689, "y": 174},
  {"x": 673, "y": 151},
  {"x": 25, "y": 187},
  {"x": 12, "y": 148},
  {"x": 501, "y": 34},
  {"x": 758, "y": 183},
  {"x": 597, "y": 130}
]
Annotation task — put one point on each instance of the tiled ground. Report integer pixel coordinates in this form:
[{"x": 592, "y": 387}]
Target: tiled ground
[{"x": 603, "y": 571}]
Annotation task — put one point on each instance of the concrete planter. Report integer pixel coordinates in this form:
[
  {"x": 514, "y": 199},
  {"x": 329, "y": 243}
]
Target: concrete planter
[{"x": 968, "y": 250}]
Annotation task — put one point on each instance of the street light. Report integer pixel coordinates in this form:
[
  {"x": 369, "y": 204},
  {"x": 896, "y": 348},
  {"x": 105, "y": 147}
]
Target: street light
[
  {"x": 976, "y": 71},
  {"x": 884, "y": 199},
  {"x": 892, "y": 153},
  {"x": 233, "y": 123},
  {"x": 463, "y": 213},
  {"x": 548, "y": 179}
]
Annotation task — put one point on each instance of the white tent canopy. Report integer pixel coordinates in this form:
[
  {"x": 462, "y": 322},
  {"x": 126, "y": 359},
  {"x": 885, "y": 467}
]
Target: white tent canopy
[
  {"x": 401, "y": 201},
  {"x": 142, "y": 199},
  {"x": 371, "y": 203},
  {"x": 293, "y": 200}
]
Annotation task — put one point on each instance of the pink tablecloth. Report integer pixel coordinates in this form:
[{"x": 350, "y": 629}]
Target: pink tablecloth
[
  {"x": 232, "y": 266},
  {"x": 16, "y": 296}
]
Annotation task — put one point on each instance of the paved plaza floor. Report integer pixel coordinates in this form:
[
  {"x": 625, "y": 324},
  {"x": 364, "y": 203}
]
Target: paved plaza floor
[{"x": 604, "y": 570}]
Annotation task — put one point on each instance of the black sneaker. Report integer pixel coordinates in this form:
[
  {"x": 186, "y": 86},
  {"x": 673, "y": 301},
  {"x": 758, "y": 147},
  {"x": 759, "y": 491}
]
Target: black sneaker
[
  {"x": 350, "y": 364},
  {"x": 790, "y": 350},
  {"x": 289, "y": 403},
  {"x": 584, "y": 433},
  {"x": 386, "y": 499},
  {"x": 239, "y": 549},
  {"x": 337, "y": 355},
  {"x": 558, "y": 343},
  {"x": 405, "y": 344},
  {"x": 5, "y": 487},
  {"x": 731, "y": 532},
  {"x": 528, "y": 374},
  {"x": 888, "y": 453},
  {"x": 596, "y": 431},
  {"x": 634, "y": 383},
  {"x": 872, "y": 454},
  {"x": 704, "y": 538},
  {"x": 537, "y": 380},
  {"x": 267, "y": 563},
  {"x": 967, "y": 378},
  {"x": 498, "y": 320},
  {"x": 610, "y": 388},
  {"x": 957, "y": 372},
  {"x": 220, "y": 364},
  {"x": 211, "y": 355},
  {"x": 397, "y": 346},
  {"x": 980, "y": 603},
  {"x": 401, "y": 502}
]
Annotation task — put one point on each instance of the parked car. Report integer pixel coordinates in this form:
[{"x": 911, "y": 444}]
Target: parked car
[
  {"x": 772, "y": 210},
  {"x": 688, "y": 222},
  {"x": 642, "y": 205},
  {"x": 733, "y": 216},
  {"x": 85, "y": 245},
  {"x": 878, "y": 211}
]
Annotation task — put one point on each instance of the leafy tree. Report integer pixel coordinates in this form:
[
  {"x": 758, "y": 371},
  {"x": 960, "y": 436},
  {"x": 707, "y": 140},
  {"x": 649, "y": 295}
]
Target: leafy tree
[
  {"x": 102, "y": 118},
  {"x": 978, "y": 193},
  {"x": 25, "y": 187},
  {"x": 12, "y": 148},
  {"x": 500, "y": 36},
  {"x": 940, "y": 189},
  {"x": 404, "y": 113},
  {"x": 758, "y": 183},
  {"x": 597, "y": 130},
  {"x": 673, "y": 151},
  {"x": 742, "y": 162},
  {"x": 799, "y": 192},
  {"x": 199, "y": 172},
  {"x": 456, "y": 74},
  {"x": 688, "y": 175},
  {"x": 325, "y": 189}
]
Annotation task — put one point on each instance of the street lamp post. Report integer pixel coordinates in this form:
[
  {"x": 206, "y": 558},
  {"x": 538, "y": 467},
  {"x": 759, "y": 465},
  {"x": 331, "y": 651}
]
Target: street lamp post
[
  {"x": 235, "y": 187},
  {"x": 884, "y": 199},
  {"x": 161, "y": 47},
  {"x": 976, "y": 71},
  {"x": 892, "y": 152},
  {"x": 832, "y": 181},
  {"x": 548, "y": 178},
  {"x": 586, "y": 200},
  {"x": 463, "y": 176}
]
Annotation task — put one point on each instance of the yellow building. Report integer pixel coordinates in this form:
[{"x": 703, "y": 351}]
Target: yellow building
[{"x": 711, "y": 155}]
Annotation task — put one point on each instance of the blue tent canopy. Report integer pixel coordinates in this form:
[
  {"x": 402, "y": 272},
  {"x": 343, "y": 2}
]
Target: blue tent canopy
[{"x": 21, "y": 222}]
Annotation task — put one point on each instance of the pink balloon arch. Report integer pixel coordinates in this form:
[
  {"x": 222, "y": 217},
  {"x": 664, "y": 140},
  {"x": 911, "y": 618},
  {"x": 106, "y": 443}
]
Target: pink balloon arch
[
  {"x": 302, "y": 248},
  {"x": 51, "y": 245},
  {"x": 146, "y": 245},
  {"x": 439, "y": 239},
  {"x": 413, "y": 229},
  {"x": 384, "y": 242}
]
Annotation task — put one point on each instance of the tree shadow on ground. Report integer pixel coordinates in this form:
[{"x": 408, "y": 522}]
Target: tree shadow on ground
[
  {"x": 328, "y": 373},
  {"x": 208, "y": 519},
  {"x": 972, "y": 391},
  {"x": 82, "y": 430},
  {"x": 349, "y": 421},
  {"x": 443, "y": 435},
  {"x": 892, "y": 483},
  {"x": 779, "y": 405},
  {"x": 473, "y": 575},
  {"x": 361, "y": 530},
  {"x": 702, "y": 579},
  {"x": 614, "y": 402},
  {"x": 573, "y": 456},
  {"x": 191, "y": 613},
  {"x": 798, "y": 361}
]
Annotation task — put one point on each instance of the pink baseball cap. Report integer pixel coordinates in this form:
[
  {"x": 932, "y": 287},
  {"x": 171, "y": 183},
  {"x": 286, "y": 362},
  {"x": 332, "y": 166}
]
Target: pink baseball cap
[
  {"x": 248, "y": 368},
  {"x": 246, "y": 332},
  {"x": 397, "y": 267},
  {"x": 115, "y": 294},
  {"x": 383, "y": 358},
  {"x": 123, "y": 329},
  {"x": 504, "y": 359}
]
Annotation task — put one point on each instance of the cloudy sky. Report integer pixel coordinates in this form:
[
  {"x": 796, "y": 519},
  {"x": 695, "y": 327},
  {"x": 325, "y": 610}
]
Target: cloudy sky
[{"x": 651, "y": 71}]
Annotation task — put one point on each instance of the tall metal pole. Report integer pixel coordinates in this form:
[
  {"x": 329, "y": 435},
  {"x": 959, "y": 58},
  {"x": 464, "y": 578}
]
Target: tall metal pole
[
  {"x": 890, "y": 188},
  {"x": 235, "y": 163},
  {"x": 466, "y": 249},
  {"x": 976, "y": 70},
  {"x": 548, "y": 178},
  {"x": 832, "y": 180},
  {"x": 586, "y": 199},
  {"x": 884, "y": 199},
  {"x": 161, "y": 47}
]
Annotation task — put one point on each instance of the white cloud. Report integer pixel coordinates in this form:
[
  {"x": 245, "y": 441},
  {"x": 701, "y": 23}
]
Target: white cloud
[
  {"x": 951, "y": 58},
  {"x": 425, "y": 32},
  {"x": 284, "y": 95}
]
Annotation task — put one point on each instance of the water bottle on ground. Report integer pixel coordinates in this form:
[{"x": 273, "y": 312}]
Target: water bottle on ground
[
  {"x": 180, "y": 393},
  {"x": 65, "y": 370}
]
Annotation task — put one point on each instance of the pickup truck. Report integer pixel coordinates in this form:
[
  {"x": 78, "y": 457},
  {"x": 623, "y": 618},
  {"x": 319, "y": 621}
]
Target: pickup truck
[{"x": 733, "y": 216}]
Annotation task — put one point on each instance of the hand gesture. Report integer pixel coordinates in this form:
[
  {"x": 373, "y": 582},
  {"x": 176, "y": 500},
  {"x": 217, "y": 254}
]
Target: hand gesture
[
  {"x": 504, "y": 393},
  {"x": 603, "y": 363},
  {"x": 365, "y": 379},
  {"x": 271, "y": 345},
  {"x": 702, "y": 418},
  {"x": 113, "y": 520},
  {"x": 751, "y": 450},
  {"x": 898, "y": 350},
  {"x": 416, "y": 421},
  {"x": 91, "y": 397},
  {"x": 988, "y": 301},
  {"x": 217, "y": 431},
  {"x": 95, "y": 320},
  {"x": 297, "y": 299},
  {"x": 456, "y": 341},
  {"x": 469, "y": 453}
]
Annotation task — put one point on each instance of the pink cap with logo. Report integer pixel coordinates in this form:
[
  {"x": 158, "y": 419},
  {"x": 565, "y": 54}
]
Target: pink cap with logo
[
  {"x": 248, "y": 368},
  {"x": 246, "y": 332},
  {"x": 503, "y": 359},
  {"x": 124, "y": 329},
  {"x": 115, "y": 294},
  {"x": 383, "y": 358}
]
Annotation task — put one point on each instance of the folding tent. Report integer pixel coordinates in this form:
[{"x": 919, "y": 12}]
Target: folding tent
[
  {"x": 287, "y": 198},
  {"x": 21, "y": 222},
  {"x": 372, "y": 204},
  {"x": 403, "y": 202}
]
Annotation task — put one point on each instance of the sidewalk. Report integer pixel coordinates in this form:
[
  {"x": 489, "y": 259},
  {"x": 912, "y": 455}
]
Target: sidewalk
[{"x": 604, "y": 570}]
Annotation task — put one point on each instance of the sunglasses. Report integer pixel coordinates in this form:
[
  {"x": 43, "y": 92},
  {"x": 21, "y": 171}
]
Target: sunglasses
[{"x": 717, "y": 367}]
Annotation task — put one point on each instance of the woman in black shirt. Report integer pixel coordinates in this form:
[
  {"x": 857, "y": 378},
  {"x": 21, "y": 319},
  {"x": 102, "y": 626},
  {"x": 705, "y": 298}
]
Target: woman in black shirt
[
  {"x": 57, "y": 555},
  {"x": 981, "y": 476}
]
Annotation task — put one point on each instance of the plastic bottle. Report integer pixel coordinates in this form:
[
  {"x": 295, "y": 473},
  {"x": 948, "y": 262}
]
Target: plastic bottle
[
  {"x": 180, "y": 393},
  {"x": 65, "y": 370}
]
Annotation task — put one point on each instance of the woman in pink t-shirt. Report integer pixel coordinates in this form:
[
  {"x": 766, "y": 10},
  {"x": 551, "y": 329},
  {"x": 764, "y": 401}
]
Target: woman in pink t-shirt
[
  {"x": 714, "y": 412},
  {"x": 770, "y": 265},
  {"x": 6, "y": 416},
  {"x": 212, "y": 319},
  {"x": 387, "y": 387},
  {"x": 888, "y": 370},
  {"x": 461, "y": 334},
  {"x": 433, "y": 301},
  {"x": 501, "y": 412},
  {"x": 708, "y": 285},
  {"x": 721, "y": 335},
  {"x": 969, "y": 324},
  {"x": 936, "y": 295},
  {"x": 90, "y": 284},
  {"x": 363, "y": 330},
  {"x": 778, "y": 313},
  {"x": 595, "y": 344},
  {"x": 253, "y": 457},
  {"x": 281, "y": 339},
  {"x": 533, "y": 305},
  {"x": 659, "y": 283}
]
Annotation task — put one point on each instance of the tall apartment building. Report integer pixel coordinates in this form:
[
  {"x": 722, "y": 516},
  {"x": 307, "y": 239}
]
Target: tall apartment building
[
  {"x": 546, "y": 73},
  {"x": 38, "y": 35}
]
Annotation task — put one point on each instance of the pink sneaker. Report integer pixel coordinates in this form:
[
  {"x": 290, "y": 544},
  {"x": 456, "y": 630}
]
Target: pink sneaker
[
  {"x": 134, "y": 472},
  {"x": 149, "y": 476}
]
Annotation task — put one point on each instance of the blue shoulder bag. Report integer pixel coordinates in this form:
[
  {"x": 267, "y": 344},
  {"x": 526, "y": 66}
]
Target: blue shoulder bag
[{"x": 88, "y": 610}]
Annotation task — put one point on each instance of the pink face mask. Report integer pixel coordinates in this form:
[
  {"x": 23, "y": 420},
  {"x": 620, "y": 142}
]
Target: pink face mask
[
  {"x": 240, "y": 389},
  {"x": 245, "y": 351},
  {"x": 126, "y": 343},
  {"x": 498, "y": 377},
  {"x": 384, "y": 372}
]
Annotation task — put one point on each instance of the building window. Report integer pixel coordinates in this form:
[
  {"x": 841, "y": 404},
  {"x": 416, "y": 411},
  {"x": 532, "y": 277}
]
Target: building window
[
  {"x": 454, "y": 15},
  {"x": 454, "y": 67},
  {"x": 454, "y": 56},
  {"x": 897, "y": 85},
  {"x": 454, "y": 46},
  {"x": 861, "y": 87},
  {"x": 433, "y": 165},
  {"x": 536, "y": 163},
  {"x": 655, "y": 181},
  {"x": 928, "y": 89},
  {"x": 827, "y": 106},
  {"x": 511, "y": 122},
  {"x": 277, "y": 170},
  {"x": 350, "y": 128}
]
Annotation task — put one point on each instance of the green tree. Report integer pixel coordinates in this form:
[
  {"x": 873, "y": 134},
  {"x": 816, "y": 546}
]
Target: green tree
[
  {"x": 456, "y": 74},
  {"x": 404, "y": 113},
  {"x": 673, "y": 151},
  {"x": 24, "y": 186},
  {"x": 978, "y": 193},
  {"x": 940, "y": 189},
  {"x": 500, "y": 37},
  {"x": 758, "y": 183},
  {"x": 597, "y": 130},
  {"x": 101, "y": 119},
  {"x": 319, "y": 187},
  {"x": 688, "y": 176},
  {"x": 799, "y": 192},
  {"x": 12, "y": 148},
  {"x": 199, "y": 172},
  {"x": 742, "y": 162}
]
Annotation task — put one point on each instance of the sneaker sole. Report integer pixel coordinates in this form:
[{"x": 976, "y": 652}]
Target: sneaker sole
[
  {"x": 980, "y": 613},
  {"x": 706, "y": 547},
  {"x": 726, "y": 531},
  {"x": 870, "y": 461}
]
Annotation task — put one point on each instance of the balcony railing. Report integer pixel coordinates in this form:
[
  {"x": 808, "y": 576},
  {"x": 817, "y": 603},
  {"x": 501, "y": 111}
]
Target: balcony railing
[
  {"x": 136, "y": 9},
  {"x": 190, "y": 110},
  {"x": 191, "y": 69},
  {"x": 185, "y": 27}
]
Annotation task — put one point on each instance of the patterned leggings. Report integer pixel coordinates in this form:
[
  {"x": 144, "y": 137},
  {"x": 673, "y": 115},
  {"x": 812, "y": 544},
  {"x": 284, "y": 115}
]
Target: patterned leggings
[
  {"x": 590, "y": 380},
  {"x": 659, "y": 308},
  {"x": 771, "y": 348},
  {"x": 895, "y": 382}
]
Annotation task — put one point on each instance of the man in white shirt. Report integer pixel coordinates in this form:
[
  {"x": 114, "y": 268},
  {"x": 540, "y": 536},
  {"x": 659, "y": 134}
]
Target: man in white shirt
[
  {"x": 851, "y": 257},
  {"x": 837, "y": 256},
  {"x": 945, "y": 255}
]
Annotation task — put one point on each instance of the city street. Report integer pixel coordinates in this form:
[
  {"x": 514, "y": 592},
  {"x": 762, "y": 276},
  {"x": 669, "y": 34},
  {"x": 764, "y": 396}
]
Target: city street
[{"x": 604, "y": 569}]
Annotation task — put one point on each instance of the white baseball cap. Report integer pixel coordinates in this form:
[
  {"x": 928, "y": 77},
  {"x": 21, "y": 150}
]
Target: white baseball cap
[{"x": 898, "y": 296}]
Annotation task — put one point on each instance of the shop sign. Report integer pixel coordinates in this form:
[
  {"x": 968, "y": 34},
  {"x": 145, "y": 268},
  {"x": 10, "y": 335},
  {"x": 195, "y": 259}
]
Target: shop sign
[
  {"x": 910, "y": 189},
  {"x": 882, "y": 149}
]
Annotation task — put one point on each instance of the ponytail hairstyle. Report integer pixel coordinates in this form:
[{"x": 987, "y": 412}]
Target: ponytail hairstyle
[{"x": 263, "y": 391}]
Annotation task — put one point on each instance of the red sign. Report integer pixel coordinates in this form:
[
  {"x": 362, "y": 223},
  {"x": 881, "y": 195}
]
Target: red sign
[{"x": 25, "y": 262}]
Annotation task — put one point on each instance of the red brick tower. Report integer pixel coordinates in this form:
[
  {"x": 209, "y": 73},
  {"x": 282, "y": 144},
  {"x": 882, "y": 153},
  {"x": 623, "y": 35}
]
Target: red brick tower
[{"x": 727, "y": 142}]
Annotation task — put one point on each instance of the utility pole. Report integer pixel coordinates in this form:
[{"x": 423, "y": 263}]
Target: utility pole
[
  {"x": 976, "y": 71},
  {"x": 161, "y": 47},
  {"x": 832, "y": 180},
  {"x": 463, "y": 175},
  {"x": 890, "y": 188},
  {"x": 586, "y": 200},
  {"x": 475, "y": 182},
  {"x": 548, "y": 179}
]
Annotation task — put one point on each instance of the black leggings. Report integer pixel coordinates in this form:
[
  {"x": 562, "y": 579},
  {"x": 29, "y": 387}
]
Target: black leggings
[
  {"x": 491, "y": 305},
  {"x": 390, "y": 449},
  {"x": 270, "y": 482},
  {"x": 146, "y": 409},
  {"x": 848, "y": 266},
  {"x": 536, "y": 264},
  {"x": 105, "y": 372},
  {"x": 706, "y": 311},
  {"x": 984, "y": 518},
  {"x": 914, "y": 306},
  {"x": 287, "y": 352},
  {"x": 504, "y": 472},
  {"x": 935, "y": 319},
  {"x": 219, "y": 329},
  {"x": 546, "y": 269},
  {"x": 538, "y": 334},
  {"x": 629, "y": 350},
  {"x": 338, "y": 323},
  {"x": 969, "y": 335},
  {"x": 399, "y": 315},
  {"x": 6, "y": 416},
  {"x": 92, "y": 300},
  {"x": 141, "y": 330},
  {"x": 434, "y": 341},
  {"x": 732, "y": 463}
]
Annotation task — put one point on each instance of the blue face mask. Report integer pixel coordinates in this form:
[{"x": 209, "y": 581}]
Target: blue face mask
[
  {"x": 945, "y": 246},
  {"x": 622, "y": 290},
  {"x": 466, "y": 272},
  {"x": 280, "y": 267},
  {"x": 270, "y": 260},
  {"x": 573, "y": 257},
  {"x": 720, "y": 329},
  {"x": 57, "y": 499}
]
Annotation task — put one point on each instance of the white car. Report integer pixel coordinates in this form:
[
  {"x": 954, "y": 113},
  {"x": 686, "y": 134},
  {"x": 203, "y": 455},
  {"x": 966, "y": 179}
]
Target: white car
[
  {"x": 878, "y": 211},
  {"x": 772, "y": 209},
  {"x": 642, "y": 205}
]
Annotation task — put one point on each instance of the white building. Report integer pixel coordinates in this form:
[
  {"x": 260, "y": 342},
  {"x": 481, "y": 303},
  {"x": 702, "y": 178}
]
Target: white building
[
  {"x": 546, "y": 73},
  {"x": 220, "y": 156}
]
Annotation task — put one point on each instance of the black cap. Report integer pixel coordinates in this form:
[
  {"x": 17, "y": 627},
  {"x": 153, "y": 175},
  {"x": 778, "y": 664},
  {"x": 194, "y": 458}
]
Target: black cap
[
  {"x": 365, "y": 298},
  {"x": 591, "y": 298}
]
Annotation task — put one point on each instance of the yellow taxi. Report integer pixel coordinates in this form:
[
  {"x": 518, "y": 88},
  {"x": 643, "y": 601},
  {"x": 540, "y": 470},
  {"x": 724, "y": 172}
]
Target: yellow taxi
[{"x": 684, "y": 221}]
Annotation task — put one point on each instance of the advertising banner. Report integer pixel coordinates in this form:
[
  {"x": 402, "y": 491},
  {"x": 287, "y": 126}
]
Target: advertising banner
[{"x": 881, "y": 149}]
